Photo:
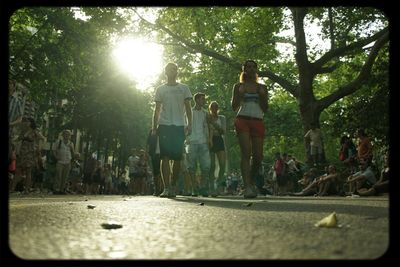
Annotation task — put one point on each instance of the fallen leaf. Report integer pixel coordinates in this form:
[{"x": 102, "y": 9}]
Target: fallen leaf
[{"x": 330, "y": 221}]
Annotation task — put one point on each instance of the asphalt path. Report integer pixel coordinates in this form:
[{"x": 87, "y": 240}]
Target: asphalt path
[{"x": 147, "y": 227}]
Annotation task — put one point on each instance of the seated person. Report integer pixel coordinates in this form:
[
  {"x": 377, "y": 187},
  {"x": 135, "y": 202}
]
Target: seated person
[
  {"x": 327, "y": 184},
  {"x": 305, "y": 180},
  {"x": 365, "y": 178},
  {"x": 382, "y": 185},
  {"x": 321, "y": 184},
  {"x": 308, "y": 177}
]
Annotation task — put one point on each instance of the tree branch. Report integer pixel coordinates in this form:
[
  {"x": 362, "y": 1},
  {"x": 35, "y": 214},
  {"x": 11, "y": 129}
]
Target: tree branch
[
  {"x": 292, "y": 89},
  {"x": 283, "y": 40},
  {"x": 327, "y": 69},
  {"x": 346, "y": 49},
  {"x": 364, "y": 74}
]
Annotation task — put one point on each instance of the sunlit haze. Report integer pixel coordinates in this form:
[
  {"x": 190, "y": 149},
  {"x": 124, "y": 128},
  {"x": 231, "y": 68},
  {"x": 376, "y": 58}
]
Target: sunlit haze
[{"x": 140, "y": 60}]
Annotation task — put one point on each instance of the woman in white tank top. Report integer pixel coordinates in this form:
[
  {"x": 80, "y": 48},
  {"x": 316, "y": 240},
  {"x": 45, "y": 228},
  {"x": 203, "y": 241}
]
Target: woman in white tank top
[{"x": 250, "y": 101}]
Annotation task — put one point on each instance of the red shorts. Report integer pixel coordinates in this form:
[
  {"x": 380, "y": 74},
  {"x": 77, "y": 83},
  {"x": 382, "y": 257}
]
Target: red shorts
[{"x": 254, "y": 126}]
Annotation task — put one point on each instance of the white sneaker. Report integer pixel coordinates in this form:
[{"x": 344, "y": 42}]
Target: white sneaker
[{"x": 165, "y": 193}]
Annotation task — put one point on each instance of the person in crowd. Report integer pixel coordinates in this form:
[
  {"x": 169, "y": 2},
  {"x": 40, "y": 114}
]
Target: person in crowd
[
  {"x": 141, "y": 179},
  {"x": 153, "y": 150},
  {"x": 190, "y": 184},
  {"x": 348, "y": 153},
  {"x": 12, "y": 166},
  {"x": 280, "y": 173},
  {"x": 172, "y": 107},
  {"x": 198, "y": 146},
  {"x": 382, "y": 185},
  {"x": 322, "y": 185},
  {"x": 234, "y": 183},
  {"x": 88, "y": 172},
  {"x": 365, "y": 178},
  {"x": 305, "y": 180},
  {"x": 15, "y": 110},
  {"x": 27, "y": 158},
  {"x": 315, "y": 137},
  {"x": 291, "y": 163},
  {"x": 250, "y": 102},
  {"x": 261, "y": 182},
  {"x": 364, "y": 148},
  {"x": 329, "y": 184},
  {"x": 108, "y": 183},
  {"x": 15, "y": 113},
  {"x": 217, "y": 132},
  {"x": 14, "y": 104},
  {"x": 63, "y": 152},
  {"x": 97, "y": 178},
  {"x": 38, "y": 172},
  {"x": 123, "y": 179},
  {"x": 294, "y": 173},
  {"x": 76, "y": 175},
  {"x": 133, "y": 164}
]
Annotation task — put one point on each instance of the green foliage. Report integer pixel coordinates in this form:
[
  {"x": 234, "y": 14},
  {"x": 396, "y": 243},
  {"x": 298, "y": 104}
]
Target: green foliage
[{"x": 58, "y": 56}]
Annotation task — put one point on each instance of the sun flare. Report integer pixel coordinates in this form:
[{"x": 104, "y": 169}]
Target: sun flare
[{"x": 141, "y": 60}]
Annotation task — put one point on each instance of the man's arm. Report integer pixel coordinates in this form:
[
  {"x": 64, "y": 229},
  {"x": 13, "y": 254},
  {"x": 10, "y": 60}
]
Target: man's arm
[
  {"x": 356, "y": 178},
  {"x": 188, "y": 109},
  {"x": 307, "y": 135},
  {"x": 156, "y": 117},
  {"x": 330, "y": 177}
]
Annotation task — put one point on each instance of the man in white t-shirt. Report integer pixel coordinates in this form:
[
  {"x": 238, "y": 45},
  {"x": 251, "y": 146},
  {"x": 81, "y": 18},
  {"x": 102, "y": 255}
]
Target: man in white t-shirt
[
  {"x": 198, "y": 148},
  {"x": 171, "y": 114},
  {"x": 63, "y": 152},
  {"x": 315, "y": 136}
]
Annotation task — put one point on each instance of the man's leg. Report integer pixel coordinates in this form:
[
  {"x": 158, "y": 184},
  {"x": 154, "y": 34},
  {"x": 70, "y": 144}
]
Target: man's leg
[
  {"x": 205, "y": 164},
  {"x": 165, "y": 175}
]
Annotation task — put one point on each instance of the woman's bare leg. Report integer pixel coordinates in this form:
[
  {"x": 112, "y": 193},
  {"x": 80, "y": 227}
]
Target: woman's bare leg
[
  {"x": 245, "y": 149},
  {"x": 257, "y": 145}
]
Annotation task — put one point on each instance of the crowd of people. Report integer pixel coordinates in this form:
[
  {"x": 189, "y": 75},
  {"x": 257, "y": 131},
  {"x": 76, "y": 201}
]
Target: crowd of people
[{"x": 184, "y": 147}]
